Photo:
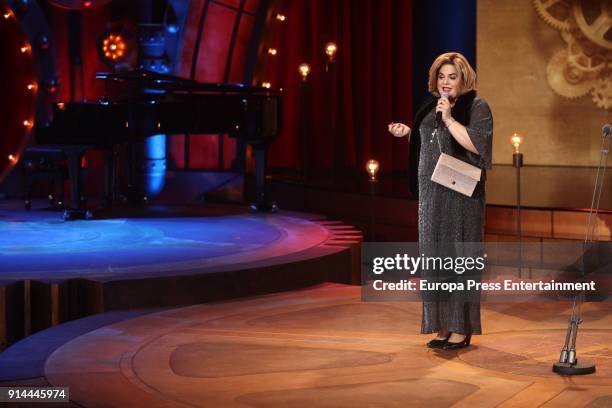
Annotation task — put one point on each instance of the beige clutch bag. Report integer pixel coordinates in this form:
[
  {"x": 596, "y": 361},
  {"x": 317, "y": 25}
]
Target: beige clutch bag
[{"x": 456, "y": 174}]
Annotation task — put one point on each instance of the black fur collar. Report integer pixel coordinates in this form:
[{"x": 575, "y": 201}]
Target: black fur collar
[
  {"x": 460, "y": 112},
  {"x": 462, "y": 108}
]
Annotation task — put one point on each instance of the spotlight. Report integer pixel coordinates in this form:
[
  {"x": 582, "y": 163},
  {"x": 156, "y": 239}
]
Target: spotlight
[
  {"x": 32, "y": 87},
  {"x": 372, "y": 167},
  {"x": 266, "y": 84},
  {"x": 28, "y": 124},
  {"x": 272, "y": 51},
  {"x": 114, "y": 47},
  {"x": 117, "y": 49},
  {"x": 304, "y": 70},
  {"x": 280, "y": 17},
  {"x": 8, "y": 14},
  {"x": 171, "y": 20},
  {"x": 330, "y": 49},
  {"x": 25, "y": 49},
  {"x": 12, "y": 158}
]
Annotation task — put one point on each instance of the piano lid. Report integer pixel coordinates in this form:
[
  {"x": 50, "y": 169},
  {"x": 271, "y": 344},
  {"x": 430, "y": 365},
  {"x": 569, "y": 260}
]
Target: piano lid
[{"x": 149, "y": 79}]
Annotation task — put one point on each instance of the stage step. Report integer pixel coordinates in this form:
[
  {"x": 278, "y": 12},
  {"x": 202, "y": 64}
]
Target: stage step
[{"x": 302, "y": 250}]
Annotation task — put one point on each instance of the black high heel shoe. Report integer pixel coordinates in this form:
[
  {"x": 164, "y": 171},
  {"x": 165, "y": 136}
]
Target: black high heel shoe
[
  {"x": 437, "y": 344},
  {"x": 456, "y": 346}
]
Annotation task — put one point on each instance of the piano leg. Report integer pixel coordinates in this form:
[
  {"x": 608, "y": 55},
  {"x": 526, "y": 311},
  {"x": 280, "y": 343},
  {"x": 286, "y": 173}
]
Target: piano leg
[
  {"x": 135, "y": 188},
  {"x": 261, "y": 204},
  {"x": 29, "y": 182},
  {"x": 74, "y": 155},
  {"x": 110, "y": 175},
  {"x": 260, "y": 173}
]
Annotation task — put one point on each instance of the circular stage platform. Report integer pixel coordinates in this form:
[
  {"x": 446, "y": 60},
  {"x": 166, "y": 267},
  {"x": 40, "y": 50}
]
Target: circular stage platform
[
  {"x": 161, "y": 241},
  {"x": 54, "y": 271},
  {"x": 322, "y": 347}
]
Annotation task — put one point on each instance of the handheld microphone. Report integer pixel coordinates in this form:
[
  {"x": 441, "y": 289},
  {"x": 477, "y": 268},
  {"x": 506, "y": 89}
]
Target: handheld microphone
[
  {"x": 606, "y": 130},
  {"x": 439, "y": 114}
]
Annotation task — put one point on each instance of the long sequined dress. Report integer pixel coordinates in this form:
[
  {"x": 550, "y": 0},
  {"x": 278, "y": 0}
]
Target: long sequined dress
[{"x": 447, "y": 216}]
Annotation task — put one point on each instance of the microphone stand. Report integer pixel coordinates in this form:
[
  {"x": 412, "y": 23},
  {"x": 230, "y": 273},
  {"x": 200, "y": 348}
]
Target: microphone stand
[{"x": 568, "y": 362}]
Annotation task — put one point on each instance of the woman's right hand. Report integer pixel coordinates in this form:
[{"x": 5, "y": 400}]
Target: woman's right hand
[{"x": 399, "y": 130}]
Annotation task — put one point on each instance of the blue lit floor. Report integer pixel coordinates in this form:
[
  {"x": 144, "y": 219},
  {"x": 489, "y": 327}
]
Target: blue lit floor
[{"x": 39, "y": 245}]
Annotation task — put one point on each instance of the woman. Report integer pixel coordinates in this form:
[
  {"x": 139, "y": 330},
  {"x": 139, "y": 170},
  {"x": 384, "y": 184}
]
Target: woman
[{"x": 465, "y": 131}]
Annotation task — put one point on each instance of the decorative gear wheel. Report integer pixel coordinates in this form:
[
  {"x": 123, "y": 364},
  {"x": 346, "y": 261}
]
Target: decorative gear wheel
[
  {"x": 556, "y": 13},
  {"x": 586, "y": 56},
  {"x": 602, "y": 93},
  {"x": 565, "y": 79},
  {"x": 568, "y": 36},
  {"x": 595, "y": 21}
]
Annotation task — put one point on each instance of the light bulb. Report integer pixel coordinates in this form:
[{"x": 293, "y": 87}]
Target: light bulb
[
  {"x": 304, "y": 70},
  {"x": 372, "y": 167},
  {"x": 330, "y": 49},
  {"x": 516, "y": 140}
]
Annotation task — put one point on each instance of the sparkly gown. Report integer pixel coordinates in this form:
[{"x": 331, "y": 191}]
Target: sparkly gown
[{"x": 448, "y": 216}]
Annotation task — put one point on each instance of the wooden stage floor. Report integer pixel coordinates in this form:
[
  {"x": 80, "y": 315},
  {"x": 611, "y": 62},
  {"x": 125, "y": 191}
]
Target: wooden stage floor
[{"x": 324, "y": 347}]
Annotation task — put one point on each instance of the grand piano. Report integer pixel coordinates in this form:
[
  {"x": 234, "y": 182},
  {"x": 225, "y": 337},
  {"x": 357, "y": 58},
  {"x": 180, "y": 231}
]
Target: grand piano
[{"x": 142, "y": 103}]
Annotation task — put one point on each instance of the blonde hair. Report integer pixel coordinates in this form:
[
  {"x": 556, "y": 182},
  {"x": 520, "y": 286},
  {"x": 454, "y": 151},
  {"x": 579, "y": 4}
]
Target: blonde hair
[{"x": 463, "y": 67}]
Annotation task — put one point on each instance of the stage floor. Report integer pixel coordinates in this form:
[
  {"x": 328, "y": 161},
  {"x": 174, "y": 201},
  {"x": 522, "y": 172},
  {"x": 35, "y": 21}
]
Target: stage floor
[
  {"x": 323, "y": 347},
  {"x": 158, "y": 241}
]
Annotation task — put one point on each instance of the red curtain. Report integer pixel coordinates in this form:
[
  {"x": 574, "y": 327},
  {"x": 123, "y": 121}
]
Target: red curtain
[
  {"x": 214, "y": 45},
  {"x": 17, "y": 71},
  {"x": 93, "y": 23},
  {"x": 341, "y": 115}
]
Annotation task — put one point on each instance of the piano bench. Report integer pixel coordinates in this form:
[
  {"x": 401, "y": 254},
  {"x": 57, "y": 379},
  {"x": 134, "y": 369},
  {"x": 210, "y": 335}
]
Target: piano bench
[{"x": 46, "y": 162}]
